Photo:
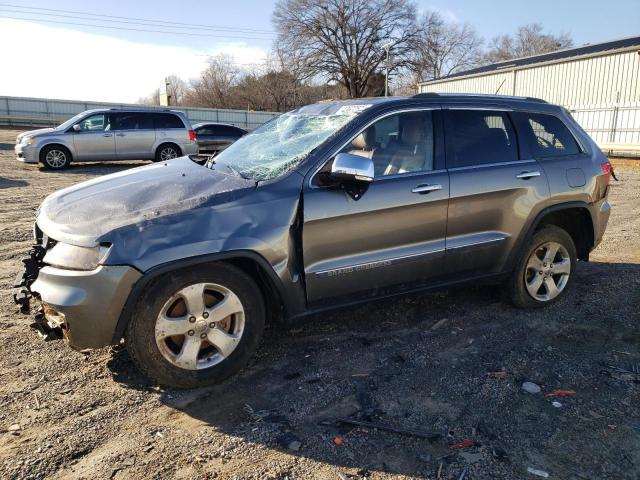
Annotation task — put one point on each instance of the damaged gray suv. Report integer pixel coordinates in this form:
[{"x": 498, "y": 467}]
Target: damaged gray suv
[{"x": 328, "y": 205}]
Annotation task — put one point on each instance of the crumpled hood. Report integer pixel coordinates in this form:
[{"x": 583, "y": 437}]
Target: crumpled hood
[
  {"x": 83, "y": 213},
  {"x": 32, "y": 133}
]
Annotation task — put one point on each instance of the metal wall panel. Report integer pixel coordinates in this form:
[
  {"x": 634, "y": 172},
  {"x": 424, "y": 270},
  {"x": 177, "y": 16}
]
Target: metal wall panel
[
  {"x": 602, "y": 92},
  {"x": 21, "y": 111}
]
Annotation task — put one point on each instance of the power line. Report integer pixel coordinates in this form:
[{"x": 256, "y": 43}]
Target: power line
[
  {"x": 152, "y": 21},
  {"x": 221, "y": 29},
  {"x": 134, "y": 29}
]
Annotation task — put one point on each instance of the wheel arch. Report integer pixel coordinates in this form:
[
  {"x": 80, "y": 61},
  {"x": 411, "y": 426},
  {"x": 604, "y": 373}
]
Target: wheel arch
[
  {"x": 249, "y": 261},
  {"x": 580, "y": 228},
  {"x": 167, "y": 142},
  {"x": 56, "y": 144}
]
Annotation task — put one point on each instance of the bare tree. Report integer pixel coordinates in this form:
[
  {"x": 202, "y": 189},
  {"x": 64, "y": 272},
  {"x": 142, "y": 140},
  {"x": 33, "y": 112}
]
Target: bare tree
[
  {"x": 176, "y": 89},
  {"x": 444, "y": 48},
  {"x": 342, "y": 40},
  {"x": 213, "y": 87},
  {"x": 152, "y": 99},
  {"x": 528, "y": 40}
]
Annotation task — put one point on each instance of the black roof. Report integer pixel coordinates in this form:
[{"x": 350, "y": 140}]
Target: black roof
[{"x": 587, "y": 49}]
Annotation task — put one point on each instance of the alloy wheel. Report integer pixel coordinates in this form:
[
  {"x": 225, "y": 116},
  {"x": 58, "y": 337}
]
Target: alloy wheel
[
  {"x": 200, "y": 326},
  {"x": 547, "y": 272},
  {"x": 56, "y": 158},
  {"x": 168, "y": 153}
]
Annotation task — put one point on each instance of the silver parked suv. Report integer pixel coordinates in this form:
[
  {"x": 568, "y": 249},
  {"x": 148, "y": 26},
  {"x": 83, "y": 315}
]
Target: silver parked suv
[{"x": 109, "y": 134}]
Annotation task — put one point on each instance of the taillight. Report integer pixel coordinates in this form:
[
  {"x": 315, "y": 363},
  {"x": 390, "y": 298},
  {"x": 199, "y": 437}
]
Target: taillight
[
  {"x": 192, "y": 135},
  {"x": 606, "y": 169}
]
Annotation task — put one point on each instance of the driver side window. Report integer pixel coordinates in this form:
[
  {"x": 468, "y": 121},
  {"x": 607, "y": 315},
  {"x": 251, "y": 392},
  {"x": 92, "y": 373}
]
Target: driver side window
[
  {"x": 397, "y": 144},
  {"x": 95, "y": 123}
]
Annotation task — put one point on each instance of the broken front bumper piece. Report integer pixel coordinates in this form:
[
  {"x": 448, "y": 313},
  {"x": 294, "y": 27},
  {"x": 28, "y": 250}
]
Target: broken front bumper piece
[
  {"x": 22, "y": 285},
  {"x": 85, "y": 306},
  {"x": 82, "y": 306}
]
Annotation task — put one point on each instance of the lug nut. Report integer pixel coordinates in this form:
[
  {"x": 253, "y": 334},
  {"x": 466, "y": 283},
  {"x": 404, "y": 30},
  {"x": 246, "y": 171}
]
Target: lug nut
[
  {"x": 192, "y": 319},
  {"x": 205, "y": 315},
  {"x": 203, "y": 335},
  {"x": 191, "y": 332},
  {"x": 212, "y": 325}
]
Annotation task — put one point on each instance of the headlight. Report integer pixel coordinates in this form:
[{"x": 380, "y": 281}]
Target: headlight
[
  {"x": 71, "y": 257},
  {"x": 28, "y": 140}
]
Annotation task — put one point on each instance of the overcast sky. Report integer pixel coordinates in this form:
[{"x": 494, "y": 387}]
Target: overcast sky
[{"x": 47, "y": 49}]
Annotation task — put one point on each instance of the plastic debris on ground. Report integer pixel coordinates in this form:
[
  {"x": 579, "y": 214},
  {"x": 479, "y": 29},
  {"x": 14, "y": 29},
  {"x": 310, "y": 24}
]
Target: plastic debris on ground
[
  {"x": 538, "y": 473},
  {"x": 561, "y": 393},
  {"x": 466, "y": 443}
]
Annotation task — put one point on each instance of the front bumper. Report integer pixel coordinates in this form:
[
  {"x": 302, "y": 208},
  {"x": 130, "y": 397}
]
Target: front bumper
[
  {"x": 25, "y": 153},
  {"x": 84, "y": 305}
]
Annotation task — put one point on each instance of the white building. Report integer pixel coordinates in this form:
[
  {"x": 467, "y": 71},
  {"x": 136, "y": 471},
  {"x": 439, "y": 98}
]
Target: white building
[{"x": 598, "y": 83}]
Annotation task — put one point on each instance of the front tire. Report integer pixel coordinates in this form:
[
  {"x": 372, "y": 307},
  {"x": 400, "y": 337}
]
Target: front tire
[
  {"x": 545, "y": 269},
  {"x": 196, "y": 327},
  {"x": 55, "y": 157}
]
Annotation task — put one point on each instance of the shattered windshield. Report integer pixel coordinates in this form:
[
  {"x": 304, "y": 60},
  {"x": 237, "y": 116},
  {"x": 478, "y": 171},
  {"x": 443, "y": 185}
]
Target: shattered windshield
[{"x": 280, "y": 145}]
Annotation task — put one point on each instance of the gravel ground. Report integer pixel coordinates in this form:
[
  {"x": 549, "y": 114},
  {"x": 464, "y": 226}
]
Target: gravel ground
[{"x": 420, "y": 363}]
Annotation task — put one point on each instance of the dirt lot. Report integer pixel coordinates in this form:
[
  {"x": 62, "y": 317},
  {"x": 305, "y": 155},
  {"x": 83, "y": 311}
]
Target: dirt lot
[{"x": 418, "y": 363}]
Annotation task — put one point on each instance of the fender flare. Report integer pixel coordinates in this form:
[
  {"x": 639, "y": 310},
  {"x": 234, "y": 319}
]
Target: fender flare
[
  {"x": 164, "y": 268},
  {"x": 533, "y": 224}
]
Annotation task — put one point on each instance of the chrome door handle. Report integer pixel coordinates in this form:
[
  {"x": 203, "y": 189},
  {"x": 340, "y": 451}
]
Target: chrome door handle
[
  {"x": 527, "y": 175},
  {"x": 120, "y": 134},
  {"x": 426, "y": 188},
  {"x": 107, "y": 135}
]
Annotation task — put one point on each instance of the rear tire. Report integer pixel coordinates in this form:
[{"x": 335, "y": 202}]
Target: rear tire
[
  {"x": 171, "y": 341},
  {"x": 167, "y": 151},
  {"x": 55, "y": 157},
  {"x": 545, "y": 269}
]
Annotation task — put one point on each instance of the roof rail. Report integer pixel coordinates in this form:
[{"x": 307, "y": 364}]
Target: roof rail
[
  {"x": 426, "y": 95},
  {"x": 535, "y": 99}
]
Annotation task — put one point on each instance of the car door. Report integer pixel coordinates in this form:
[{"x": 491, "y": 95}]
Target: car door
[
  {"x": 135, "y": 135},
  {"x": 94, "y": 140},
  {"x": 494, "y": 186},
  {"x": 392, "y": 236}
]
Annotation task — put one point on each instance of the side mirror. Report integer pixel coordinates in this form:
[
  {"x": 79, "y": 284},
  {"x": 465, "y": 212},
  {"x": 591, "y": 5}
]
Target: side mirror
[
  {"x": 354, "y": 168},
  {"x": 76, "y": 127}
]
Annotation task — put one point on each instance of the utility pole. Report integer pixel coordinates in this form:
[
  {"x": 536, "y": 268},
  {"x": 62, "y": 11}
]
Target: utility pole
[
  {"x": 386, "y": 47},
  {"x": 166, "y": 86}
]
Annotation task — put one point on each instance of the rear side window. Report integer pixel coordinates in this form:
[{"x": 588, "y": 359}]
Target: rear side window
[
  {"x": 134, "y": 121},
  {"x": 230, "y": 131},
  {"x": 167, "y": 120},
  {"x": 477, "y": 137},
  {"x": 550, "y": 137}
]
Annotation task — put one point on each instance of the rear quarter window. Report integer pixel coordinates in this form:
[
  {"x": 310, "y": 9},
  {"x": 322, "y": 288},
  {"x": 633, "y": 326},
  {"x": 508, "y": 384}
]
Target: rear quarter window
[
  {"x": 548, "y": 136},
  {"x": 167, "y": 120}
]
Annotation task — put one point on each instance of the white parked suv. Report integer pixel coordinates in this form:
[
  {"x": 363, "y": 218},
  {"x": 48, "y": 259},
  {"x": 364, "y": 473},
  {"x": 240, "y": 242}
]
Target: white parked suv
[{"x": 110, "y": 134}]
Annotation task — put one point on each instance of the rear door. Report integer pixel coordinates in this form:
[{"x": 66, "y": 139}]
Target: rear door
[
  {"x": 169, "y": 126},
  {"x": 135, "y": 135},
  {"x": 494, "y": 186},
  {"x": 391, "y": 237},
  {"x": 95, "y": 140}
]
